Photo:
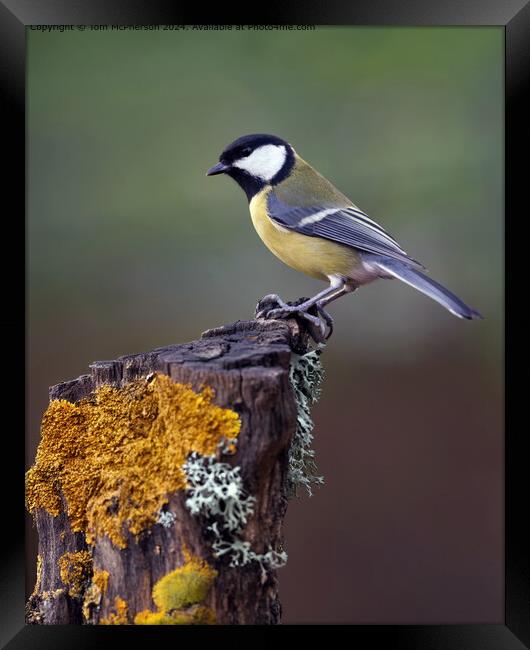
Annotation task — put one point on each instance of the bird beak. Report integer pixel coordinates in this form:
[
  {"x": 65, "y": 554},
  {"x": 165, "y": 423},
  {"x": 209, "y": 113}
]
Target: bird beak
[{"x": 220, "y": 168}]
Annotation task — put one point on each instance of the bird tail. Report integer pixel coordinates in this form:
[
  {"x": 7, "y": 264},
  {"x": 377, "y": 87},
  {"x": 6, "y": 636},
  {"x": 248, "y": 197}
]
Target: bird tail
[{"x": 426, "y": 285}]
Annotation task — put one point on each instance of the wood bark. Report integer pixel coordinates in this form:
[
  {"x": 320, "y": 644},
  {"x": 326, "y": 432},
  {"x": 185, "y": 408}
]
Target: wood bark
[{"x": 247, "y": 365}]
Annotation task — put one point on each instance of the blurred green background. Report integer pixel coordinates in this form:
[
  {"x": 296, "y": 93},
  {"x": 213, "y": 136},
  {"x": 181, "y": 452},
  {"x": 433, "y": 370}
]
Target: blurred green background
[{"x": 132, "y": 247}]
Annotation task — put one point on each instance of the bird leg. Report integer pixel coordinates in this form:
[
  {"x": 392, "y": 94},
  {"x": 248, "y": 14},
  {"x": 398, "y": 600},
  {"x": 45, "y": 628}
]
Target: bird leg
[
  {"x": 328, "y": 320},
  {"x": 337, "y": 288},
  {"x": 325, "y": 301},
  {"x": 268, "y": 308},
  {"x": 336, "y": 284},
  {"x": 318, "y": 321}
]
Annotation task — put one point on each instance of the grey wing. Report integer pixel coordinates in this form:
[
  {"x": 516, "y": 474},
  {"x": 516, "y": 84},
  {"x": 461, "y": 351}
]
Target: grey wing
[{"x": 345, "y": 225}]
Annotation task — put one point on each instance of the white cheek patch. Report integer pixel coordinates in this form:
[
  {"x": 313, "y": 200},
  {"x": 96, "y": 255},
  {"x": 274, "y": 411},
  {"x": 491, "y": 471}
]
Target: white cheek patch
[{"x": 264, "y": 162}]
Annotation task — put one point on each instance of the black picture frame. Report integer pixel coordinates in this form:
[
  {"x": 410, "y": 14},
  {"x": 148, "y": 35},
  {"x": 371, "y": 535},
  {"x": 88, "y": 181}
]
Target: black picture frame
[{"x": 514, "y": 15}]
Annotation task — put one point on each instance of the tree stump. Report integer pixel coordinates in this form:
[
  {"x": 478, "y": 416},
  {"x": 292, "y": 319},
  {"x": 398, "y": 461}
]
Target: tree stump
[{"x": 162, "y": 479}]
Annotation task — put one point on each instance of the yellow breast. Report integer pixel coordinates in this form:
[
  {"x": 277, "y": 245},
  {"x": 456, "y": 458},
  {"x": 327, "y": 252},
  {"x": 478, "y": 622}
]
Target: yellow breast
[{"x": 313, "y": 256}]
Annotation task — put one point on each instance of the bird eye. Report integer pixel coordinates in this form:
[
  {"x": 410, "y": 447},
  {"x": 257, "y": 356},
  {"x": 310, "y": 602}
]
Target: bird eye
[{"x": 246, "y": 152}]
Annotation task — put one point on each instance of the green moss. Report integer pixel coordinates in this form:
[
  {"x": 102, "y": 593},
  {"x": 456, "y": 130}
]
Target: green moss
[
  {"x": 196, "y": 615},
  {"x": 179, "y": 594}
]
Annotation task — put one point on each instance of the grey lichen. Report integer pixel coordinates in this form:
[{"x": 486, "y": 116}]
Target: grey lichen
[
  {"x": 166, "y": 518},
  {"x": 241, "y": 554},
  {"x": 306, "y": 375},
  {"x": 216, "y": 490}
]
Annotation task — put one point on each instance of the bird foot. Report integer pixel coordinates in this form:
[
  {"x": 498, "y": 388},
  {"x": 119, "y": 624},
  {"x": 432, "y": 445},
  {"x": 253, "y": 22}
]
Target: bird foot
[
  {"x": 327, "y": 319},
  {"x": 319, "y": 323},
  {"x": 268, "y": 303}
]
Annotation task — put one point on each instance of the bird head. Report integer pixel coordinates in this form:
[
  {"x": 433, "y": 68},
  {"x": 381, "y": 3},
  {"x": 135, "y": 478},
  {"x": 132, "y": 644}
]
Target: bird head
[{"x": 254, "y": 161}]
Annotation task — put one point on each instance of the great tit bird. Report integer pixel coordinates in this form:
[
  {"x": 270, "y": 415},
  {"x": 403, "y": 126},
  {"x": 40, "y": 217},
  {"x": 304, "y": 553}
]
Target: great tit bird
[{"x": 312, "y": 227}]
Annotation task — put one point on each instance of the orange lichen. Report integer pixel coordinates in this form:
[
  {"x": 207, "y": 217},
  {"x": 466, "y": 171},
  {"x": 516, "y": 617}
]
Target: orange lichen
[
  {"x": 38, "y": 581},
  {"x": 117, "y": 455},
  {"x": 94, "y": 592},
  {"x": 101, "y": 580},
  {"x": 178, "y": 595},
  {"x": 120, "y": 616},
  {"x": 75, "y": 570}
]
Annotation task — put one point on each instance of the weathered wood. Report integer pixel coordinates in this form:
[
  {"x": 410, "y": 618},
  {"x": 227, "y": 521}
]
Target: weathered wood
[{"x": 247, "y": 365}]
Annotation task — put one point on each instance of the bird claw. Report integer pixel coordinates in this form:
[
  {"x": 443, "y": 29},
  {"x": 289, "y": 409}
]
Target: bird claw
[
  {"x": 324, "y": 329},
  {"x": 327, "y": 319},
  {"x": 267, "y": 304},
  {"x": 286, "y": 312},
  {"x": 319, "y": 324}
]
